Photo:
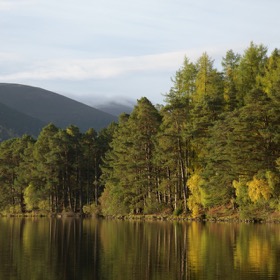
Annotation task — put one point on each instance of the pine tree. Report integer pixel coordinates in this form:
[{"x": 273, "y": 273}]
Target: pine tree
[
  {"x": 173, "y": 142},
  {"x": 14, "y": 172},
  {"x": 47, "y": 162},
  {"x": 230, "y": 65},
  {"x": 130, "y": 171},
  {"x": 116, "y": 196},
  {"x": 207, "y": 105},
  {"x": 251, "y": 69}
]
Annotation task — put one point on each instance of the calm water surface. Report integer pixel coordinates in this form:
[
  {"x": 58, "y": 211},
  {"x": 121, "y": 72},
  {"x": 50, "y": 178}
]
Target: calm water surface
[{"x": 71, "y": 248}]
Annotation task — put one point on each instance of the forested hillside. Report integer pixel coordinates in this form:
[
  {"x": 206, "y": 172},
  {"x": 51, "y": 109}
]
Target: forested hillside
[
  {"x": 31, "y": 108},
  {"x": 212, "y": 150},
  {"x": 14, "y": 123}
]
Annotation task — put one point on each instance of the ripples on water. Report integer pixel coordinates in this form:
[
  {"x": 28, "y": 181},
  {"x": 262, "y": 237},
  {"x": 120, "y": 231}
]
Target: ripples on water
[{"x": 72, "y": 248}]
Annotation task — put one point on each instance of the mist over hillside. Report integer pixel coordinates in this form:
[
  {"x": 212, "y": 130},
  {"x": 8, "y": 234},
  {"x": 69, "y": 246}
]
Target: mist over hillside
[{"x": 115, "y": 108}]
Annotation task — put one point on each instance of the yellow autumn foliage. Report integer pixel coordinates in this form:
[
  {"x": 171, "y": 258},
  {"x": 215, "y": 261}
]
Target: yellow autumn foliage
[
  {"x": 193, "y": 184},
  {"x": 255, "y": 253},
  {"x": 196, "y": 197},
  {"x": 259, "y": 188},
  {"x": 197, "y": 249}
]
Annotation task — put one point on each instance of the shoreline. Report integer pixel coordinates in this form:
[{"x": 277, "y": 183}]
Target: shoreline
[
  {"x": 150, "y": 217},
  {"x": 182, "y": 218}
]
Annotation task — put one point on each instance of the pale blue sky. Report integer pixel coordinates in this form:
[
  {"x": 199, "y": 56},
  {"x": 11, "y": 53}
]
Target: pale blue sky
[{"x": 89, "y": 49}]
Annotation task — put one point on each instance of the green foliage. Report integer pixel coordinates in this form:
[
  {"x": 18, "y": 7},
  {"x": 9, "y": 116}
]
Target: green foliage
[
  {"x": 60, "y": 170},
  {"x": 111, "y": 204},
  {"x": 241, "y": 192},
  {"x": 91, "y": 209},
  {"x": 44, "y": 206},
  {"x": 214, "y": 143},
  {"x": 178, "y": 211},
  {"x": 153, "y": 206},
  {"x": 31, "y": 198},
  {"x": 250, "y": 70},
  {"x": 230, "y": 65},
  {"x": 12, "y": 210},
  {"x": 128, "y": 172}
]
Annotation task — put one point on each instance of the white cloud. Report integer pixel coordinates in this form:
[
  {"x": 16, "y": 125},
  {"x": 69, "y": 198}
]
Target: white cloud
[
  {"x": 9, "y": 57},
  {"x": 104, "y": 68},
  {"x": 6, "y": 5}
]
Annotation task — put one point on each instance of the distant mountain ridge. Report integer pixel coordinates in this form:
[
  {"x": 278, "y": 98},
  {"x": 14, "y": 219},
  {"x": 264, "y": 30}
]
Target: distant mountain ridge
[
  {"x": 26, "y": 109},
  {"x": 115, "y": 108}
]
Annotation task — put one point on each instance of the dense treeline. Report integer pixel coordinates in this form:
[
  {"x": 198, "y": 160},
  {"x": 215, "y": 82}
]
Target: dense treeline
[
  {"x": 215, "y": 144},
  {"x": 58, "y": 171},
  {"x": 213, "y": 148}
]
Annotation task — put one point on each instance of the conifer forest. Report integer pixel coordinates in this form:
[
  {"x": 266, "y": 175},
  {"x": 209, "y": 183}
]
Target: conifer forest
[{"x": 212, "y": 150}]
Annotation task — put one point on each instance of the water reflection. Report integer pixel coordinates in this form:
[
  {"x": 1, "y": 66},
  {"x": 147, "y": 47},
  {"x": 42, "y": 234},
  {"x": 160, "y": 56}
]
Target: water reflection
[{"x": 100, "y": 249}]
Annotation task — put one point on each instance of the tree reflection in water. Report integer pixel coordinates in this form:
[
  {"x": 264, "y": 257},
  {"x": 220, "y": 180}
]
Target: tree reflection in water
[{"x": 70, "y": 248}]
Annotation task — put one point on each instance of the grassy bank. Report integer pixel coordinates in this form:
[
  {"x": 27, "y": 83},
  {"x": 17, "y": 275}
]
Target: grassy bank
[{"x": 218, "y": 214}]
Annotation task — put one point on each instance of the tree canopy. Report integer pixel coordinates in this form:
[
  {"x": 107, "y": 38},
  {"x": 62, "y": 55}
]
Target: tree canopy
[{"x": 214, "y": 144}]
